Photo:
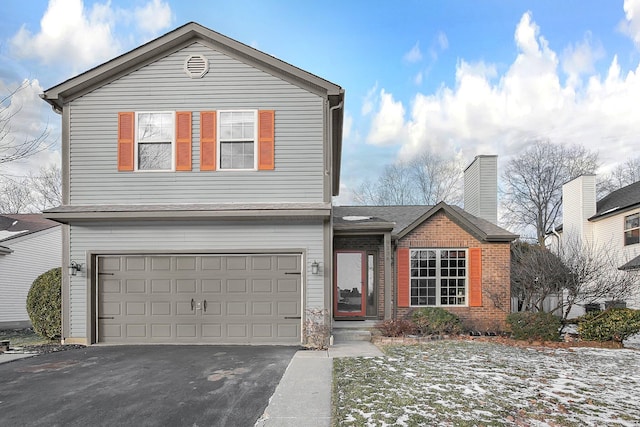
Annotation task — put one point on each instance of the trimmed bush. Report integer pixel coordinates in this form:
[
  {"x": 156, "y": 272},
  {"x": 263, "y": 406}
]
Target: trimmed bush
[
  {"x": 44, "y": 304},
  {"x": 436, "y": 321},
  {"x": 614, "y": 324},
  {"x": 534, "y": 326},
  {"x": 396, "y": 328}
]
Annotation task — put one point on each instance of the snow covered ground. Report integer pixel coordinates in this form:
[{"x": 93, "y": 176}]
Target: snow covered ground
[{"x": 466, "y": 383}]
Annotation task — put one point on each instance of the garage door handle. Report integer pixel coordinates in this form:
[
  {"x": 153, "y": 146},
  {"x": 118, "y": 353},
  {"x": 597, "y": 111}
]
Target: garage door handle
[
  {"x": 103, "y": 318},
  {"x": 291, "y": 272},
  {"x": 204, "y": 304},
  {"x": 193, "y": 303},
  {"x": 292, "y": 317}
]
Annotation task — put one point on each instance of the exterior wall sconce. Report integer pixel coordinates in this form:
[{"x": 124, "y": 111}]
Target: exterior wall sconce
[
  {"x": 74, "y": 268},
  {"x": 315, "y": 267}
]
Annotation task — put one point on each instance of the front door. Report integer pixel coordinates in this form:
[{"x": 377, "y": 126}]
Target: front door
[{"x": 350, "y": 284}]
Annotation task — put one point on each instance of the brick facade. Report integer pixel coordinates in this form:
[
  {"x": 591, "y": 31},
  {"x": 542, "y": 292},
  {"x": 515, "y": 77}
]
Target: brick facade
[{"x": 441, "y": 232}]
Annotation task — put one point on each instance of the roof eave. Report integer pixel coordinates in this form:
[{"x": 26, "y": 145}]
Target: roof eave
[{"x": 181, "y": 36}]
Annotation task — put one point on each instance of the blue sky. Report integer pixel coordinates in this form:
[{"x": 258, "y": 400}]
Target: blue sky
[{"x": 459, "y": 78}]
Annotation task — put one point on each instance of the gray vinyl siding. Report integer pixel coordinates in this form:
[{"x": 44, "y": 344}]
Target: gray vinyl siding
[
  {"x": 200, "y": 236},
  {"x": 481, "y": 188},
  {"x": 164, "y": 86},
  {"x": 32, "y": 255}
]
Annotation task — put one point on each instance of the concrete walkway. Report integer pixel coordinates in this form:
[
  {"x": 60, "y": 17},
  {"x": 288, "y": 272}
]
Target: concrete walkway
[{"x": 303, "y": 396}]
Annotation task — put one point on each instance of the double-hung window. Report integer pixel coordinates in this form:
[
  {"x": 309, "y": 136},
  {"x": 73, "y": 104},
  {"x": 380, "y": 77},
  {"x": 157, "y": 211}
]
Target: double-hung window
[
  {"x": 632, "y": 229},
  {"x": 438, "y": 277},
  {"x": 155, "y": 133},
  {"x": 237, "y": 140}
]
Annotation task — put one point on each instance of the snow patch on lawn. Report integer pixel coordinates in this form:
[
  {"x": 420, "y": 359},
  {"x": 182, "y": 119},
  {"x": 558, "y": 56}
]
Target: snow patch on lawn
[{"x": 474, "y": 383}]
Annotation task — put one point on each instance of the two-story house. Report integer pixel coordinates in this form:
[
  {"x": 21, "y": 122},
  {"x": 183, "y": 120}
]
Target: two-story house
[
  {"x": 610, "y": 225},
  {"x": 198, "y": 176}
]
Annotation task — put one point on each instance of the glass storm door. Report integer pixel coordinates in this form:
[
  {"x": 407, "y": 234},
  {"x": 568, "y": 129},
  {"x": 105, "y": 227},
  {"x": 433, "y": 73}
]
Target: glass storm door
[{"x": 350, "y": 289}]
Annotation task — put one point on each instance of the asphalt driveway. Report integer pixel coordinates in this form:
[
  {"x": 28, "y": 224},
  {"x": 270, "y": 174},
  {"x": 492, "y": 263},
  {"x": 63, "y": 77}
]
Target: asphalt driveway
[{"x": 142, "y": 386}]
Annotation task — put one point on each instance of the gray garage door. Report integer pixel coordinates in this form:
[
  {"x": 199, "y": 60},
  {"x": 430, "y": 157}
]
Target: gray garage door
[{"x": 222, "y": 299}]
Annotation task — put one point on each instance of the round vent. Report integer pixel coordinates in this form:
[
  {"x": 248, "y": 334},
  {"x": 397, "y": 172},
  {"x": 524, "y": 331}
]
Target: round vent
[{"x": 196, "y": 66}]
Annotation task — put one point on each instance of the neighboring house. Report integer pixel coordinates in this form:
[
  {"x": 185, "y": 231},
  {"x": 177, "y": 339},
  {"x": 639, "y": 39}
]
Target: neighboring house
[
  {"x": 198, "y": 176},
  {"x": 611, "y": 224},
  {"x": 29, "y": 246}
]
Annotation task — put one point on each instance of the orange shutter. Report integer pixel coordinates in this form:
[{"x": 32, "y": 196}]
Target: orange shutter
[
  {"x": 126, "y": 128},
  {"x": 183, "y": 141},
  {"x": 475, "y": 277},
  {"x": 266, "y": 139},
  {"x": 403, "y": 277},
  {"x": 208, "y": 141}
]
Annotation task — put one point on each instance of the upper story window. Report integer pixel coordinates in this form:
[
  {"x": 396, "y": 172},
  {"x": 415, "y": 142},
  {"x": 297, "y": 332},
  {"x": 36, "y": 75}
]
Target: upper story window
[
  {"x": 632, "y": 229},
  {"x": 438, "y": 277},
  {"x": 154, "y": 141},
  {"x": 237, "y": 141}
]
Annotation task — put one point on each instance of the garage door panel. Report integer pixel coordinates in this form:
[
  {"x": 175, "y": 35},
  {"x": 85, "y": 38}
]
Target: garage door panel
[
  {"x": 161, "y": 308},
  {"x": 135, "y": 263},
  {"x": 160, "y": 286},
  {"x": 135, "y": 286},
  {"x": 236, "y": 299},
  {"x": 211, "y": 286}
]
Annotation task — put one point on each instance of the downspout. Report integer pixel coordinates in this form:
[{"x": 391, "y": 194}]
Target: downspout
[
  {"x": 327, "y": 171},
  {"x": 331, "y": 110}
]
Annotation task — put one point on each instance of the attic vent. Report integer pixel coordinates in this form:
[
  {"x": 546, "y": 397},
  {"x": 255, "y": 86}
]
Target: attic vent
[{"x": 196, "y": 66}]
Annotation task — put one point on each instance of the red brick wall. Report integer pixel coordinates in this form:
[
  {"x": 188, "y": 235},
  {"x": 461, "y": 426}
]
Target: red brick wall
[
  {"x": 367, "y": 244},
  {"x": 440, "y": 232}
]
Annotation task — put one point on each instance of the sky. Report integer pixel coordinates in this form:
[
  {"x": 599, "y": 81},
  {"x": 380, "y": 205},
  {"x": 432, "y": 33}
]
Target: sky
[{"x": 458, "y": 78}]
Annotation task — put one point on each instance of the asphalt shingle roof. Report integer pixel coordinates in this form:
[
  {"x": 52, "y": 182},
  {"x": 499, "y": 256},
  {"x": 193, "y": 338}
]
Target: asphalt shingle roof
[
  {"x": 623, "y": 198},
  {"x": 404, "y": 217},
  {"x": 14, "y": 225}
]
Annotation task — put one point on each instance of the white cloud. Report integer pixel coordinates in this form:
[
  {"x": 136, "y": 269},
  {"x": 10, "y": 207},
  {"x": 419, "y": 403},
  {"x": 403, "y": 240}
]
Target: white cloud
[
  {"x": 580, "y": 58},
  {"x": 369, "y": 101},
  {"x": 154, "y": 16},
  {"x": 347, "y": 125},
  {"x": 387, "y": 124},
  {"x": 81, "y": 37},
  {"x": 414, "y": 55},
  {"x": 631, "y": 26},
  {"x": 487, "y": 112},
  {"x": 443, "y": 41}
]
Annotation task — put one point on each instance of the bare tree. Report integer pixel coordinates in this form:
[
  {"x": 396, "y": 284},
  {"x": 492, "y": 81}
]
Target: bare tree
[
  {"x": 533, "y": 183},
  {"x": 537, "y": 275},
  {"x": 34, "y": 193},
  {"x": 11, "y": 149},
  {"x": 46, "y": 187},
  {"x": 624, "y": 174},
  {"x": 15, "y": 196},
  {"x": 427, "y": 179},
  {"x": 592, "y": 274},
  {"x": 580, "y": 273}
]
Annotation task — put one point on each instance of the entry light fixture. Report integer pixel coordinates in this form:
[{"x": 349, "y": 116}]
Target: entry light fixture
[
  {"x": 315, "y": 267},
  {"x": 74, "y": 268}
]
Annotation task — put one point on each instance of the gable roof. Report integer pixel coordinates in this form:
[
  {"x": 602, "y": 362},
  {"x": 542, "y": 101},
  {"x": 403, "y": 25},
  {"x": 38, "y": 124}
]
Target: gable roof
[
  {"x": 18, "y": 225},
  {"x": 192, "y": 32},
  {"x": 406, "y": 218},
  {"x": 617, "y": 201}
]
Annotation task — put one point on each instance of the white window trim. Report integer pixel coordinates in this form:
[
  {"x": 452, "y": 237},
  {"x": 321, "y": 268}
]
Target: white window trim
[
  {"x": 173, "y": 143},
  {"x": 438, "y": 277},
  {"x": 624, "y": 226},
  {"x": 219, "y": 135}
]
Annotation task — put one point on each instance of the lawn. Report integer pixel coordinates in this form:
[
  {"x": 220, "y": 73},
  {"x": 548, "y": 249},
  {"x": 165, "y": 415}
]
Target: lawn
[
  {"x": 466, "y": 383},
  {"x": 22, "y": 337}
]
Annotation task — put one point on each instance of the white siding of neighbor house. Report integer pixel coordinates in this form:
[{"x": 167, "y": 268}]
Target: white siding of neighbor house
[
  {"x": 578, "y": 205},
  {"x": 164, "y": 86},
  {"x": 201, "y": 236},
  {"x": 609, "y": 233},
  {"x": 33, "y": 254}
]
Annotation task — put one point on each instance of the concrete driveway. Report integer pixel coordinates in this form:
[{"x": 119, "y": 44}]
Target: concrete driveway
[{"x": 142, "y": 386}]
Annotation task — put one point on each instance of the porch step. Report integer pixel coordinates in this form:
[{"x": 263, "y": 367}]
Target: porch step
[
  {"x": 344, "y": 331},
  {"x": 343, "y": 335}
]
